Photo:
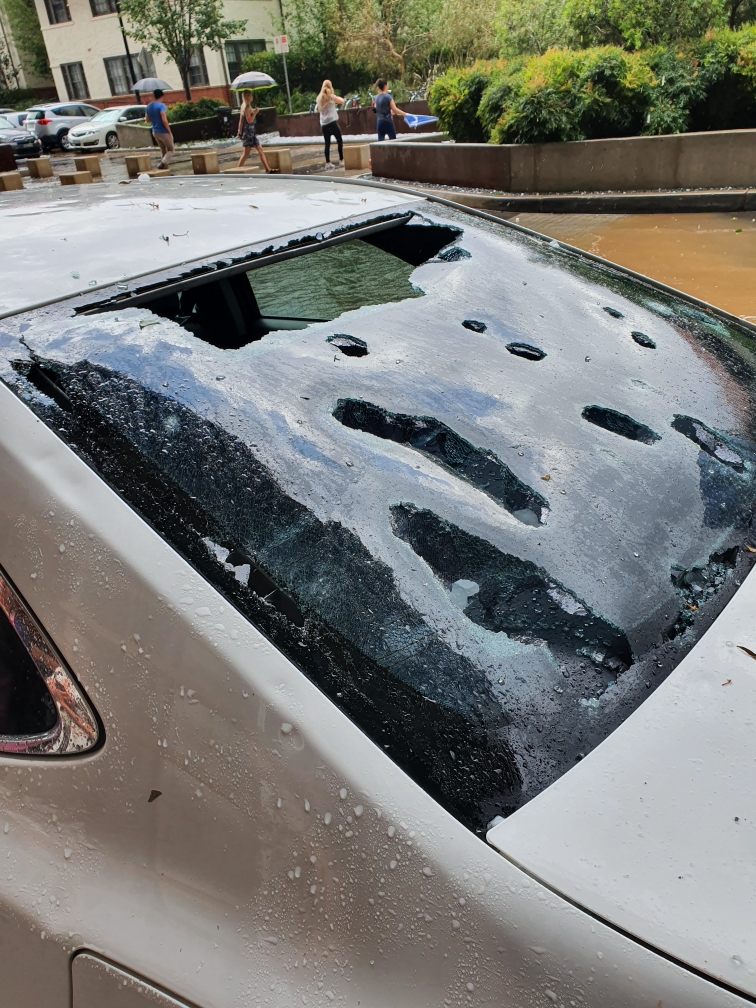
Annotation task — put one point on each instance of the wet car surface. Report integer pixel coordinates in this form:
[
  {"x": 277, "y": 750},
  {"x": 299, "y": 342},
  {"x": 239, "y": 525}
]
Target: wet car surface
[
  {"x": 486, "y": 559},
  {"x": 484, "y": 493}
]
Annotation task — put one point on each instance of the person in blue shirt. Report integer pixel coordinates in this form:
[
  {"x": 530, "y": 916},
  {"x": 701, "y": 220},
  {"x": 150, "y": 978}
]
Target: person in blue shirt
[
  {"x": 384, "y": 110},
  {"x": 154, "y": 113}
]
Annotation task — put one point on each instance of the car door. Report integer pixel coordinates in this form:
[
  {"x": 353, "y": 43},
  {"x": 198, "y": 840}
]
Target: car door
[{"x": 96, "y": 983}]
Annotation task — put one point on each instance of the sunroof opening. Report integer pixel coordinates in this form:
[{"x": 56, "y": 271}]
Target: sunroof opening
[
  {"x": 232, "y": 311},
  {"x": 310, "y": 284}
]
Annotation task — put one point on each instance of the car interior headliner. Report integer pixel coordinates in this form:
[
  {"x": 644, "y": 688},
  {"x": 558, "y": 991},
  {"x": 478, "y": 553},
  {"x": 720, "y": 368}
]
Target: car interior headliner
[{"x": 487, "y": 514}]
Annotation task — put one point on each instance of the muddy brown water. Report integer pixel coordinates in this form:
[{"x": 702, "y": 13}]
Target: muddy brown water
[{"x": 701, "y": 254}]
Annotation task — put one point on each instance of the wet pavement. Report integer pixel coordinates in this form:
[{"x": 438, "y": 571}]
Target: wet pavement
[
  {"x": 709, "y": 255},
  {"x": 307, "y": 159}
]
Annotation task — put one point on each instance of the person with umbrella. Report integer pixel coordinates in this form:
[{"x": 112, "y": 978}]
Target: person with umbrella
[
  {"x": 154, "y": 113},
  {"x": 248, "y": 83},
  {"x": 247, "y": 131}
]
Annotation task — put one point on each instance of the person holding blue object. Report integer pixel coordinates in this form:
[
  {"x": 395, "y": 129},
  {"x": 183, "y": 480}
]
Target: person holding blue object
[
  {"x": 385, "y": 108},
  {"x": 154, "y": 113}
]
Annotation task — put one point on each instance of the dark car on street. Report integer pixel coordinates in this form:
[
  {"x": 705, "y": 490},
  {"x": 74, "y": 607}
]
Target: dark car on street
[{"x": 23, "y": 143}]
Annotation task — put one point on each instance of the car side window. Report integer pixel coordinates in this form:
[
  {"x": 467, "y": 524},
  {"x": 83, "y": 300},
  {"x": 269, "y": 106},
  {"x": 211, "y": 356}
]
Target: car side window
[
  {"x": 68, "y": 110},
  {"x": 43, "y": 711},
  {"x": 60, "y": 111},
  {"x": 87, "y": 110},
  {"x": 135, "y": 114}
]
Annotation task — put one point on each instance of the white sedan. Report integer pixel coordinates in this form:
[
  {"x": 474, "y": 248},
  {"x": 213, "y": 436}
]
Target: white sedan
[
  {"x": 376, "y": 625},
  {"x": 99, "y": 132}
]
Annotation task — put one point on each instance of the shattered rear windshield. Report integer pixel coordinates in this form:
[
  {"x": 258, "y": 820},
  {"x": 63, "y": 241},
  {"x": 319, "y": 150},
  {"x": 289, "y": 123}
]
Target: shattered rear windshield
[{"x": 486, "y": 505}]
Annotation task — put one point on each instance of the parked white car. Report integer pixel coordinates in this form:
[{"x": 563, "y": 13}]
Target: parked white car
[
  {"x": 99, "y": 133},
  {"x": 376, "y": 626}
]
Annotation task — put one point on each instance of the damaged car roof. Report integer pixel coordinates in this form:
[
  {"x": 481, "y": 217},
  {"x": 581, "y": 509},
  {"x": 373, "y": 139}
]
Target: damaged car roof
[
  {"x": 486, "y": 516},
  {"x": 57, "y": 246}
]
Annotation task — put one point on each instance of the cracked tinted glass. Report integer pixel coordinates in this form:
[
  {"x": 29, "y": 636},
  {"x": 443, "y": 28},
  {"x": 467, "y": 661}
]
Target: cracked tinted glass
[{"x": 486, "y": 520}]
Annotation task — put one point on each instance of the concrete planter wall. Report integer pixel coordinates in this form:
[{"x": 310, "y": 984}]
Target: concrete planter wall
[
  {"x": 183, "y": 132},
  {"x": 130, "y": 135},
  {"x": 351, "y": 121},
  {"x": 681, "y": 161}
]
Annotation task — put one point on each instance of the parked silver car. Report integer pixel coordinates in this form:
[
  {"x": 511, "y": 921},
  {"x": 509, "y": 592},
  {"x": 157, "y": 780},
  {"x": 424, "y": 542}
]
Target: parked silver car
[
  {"x": 99, "y": 132},
  {"x": 51, "y": 122},
  {"x": 376, "y": 624}
]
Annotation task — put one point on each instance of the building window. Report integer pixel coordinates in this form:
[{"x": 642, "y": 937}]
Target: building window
[
  {"x": 75, "y": 81},
  {"x": 57, "y": 11},
  {"x": 100, "y": 7},
  {"x": 197, "y": 69},
  {"x": 119, "y": 78},
  {"x": 237, "y": 50},
  {"x": 145, "y": 64}
]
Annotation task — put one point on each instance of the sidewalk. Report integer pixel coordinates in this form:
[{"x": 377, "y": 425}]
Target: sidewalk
[{"x": 306, "y": 157}]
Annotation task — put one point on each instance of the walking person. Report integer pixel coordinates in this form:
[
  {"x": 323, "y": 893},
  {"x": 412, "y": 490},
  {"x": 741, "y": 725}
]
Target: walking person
[
  {"x": 154, "y": 113},
  {"x": 384, "y": 110},
  {"x": 326, "y": 104},
  {"x": 247, "y": 131}
]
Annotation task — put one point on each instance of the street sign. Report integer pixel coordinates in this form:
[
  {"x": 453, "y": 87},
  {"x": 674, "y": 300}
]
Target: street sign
[{"x": 281, "y": 43}]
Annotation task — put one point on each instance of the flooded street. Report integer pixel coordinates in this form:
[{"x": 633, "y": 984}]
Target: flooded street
[{"x": 709, "y": 255}]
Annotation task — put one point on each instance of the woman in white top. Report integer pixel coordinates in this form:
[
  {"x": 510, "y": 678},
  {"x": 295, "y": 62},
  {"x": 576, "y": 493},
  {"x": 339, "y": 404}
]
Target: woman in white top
[{"x": 329, "y": 121}]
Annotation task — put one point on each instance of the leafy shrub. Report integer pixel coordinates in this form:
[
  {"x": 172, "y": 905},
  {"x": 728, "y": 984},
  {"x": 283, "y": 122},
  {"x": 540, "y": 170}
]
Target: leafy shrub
[
  {"x": 203, "y": 108},
  {"x": 606, "y": 91},
  {"x": 19, "y": 98},
  {"x": 455, "y": 98}
]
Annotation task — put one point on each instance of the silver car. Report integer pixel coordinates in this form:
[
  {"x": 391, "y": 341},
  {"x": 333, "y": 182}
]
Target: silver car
[
  {"x": 52, "y": 122},
  {"x": 376, "y": 625}
]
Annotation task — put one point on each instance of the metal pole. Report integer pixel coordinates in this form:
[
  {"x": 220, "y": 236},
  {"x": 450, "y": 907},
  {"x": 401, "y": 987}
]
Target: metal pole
[
  {"x": 286, "y": 72},
  {"x": 286, "y": 78},
  {"x": 130, "y": 71}
]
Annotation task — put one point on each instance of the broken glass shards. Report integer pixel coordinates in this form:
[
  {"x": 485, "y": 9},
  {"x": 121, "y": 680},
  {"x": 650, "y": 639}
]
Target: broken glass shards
[
  {"x": 712, "y": 443},
  {"x": 434, "y": 439},
  {"x": 506, "y": 593}
]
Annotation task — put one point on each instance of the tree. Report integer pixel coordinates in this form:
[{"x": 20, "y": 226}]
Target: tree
[
  {"x": 636, "y": 24},
  {"x": 178, "y": 27},
  {"x": 531, "y": 26},
  {"x": 22, "y": 17},
  {"x": 391, "y": 37}
]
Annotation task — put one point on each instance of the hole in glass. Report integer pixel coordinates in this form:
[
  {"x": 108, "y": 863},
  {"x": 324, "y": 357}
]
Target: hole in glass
[{"x": 619, "y": 423}]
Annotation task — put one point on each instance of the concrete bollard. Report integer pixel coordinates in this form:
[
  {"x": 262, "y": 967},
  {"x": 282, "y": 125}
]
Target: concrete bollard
[
  {"x": 137, "y": 163},
  {"x": 75, "y": 178},
  {"x": 279, "y": 159},
  {"x": 241, "y": 171},
  {"x": 356, "y": 156},
  {"x": 90, "y": 163},
  {"x": 205, "y": 163},
  {"x": 40, "y": 167},
  {"x": 10, "y": 180}
]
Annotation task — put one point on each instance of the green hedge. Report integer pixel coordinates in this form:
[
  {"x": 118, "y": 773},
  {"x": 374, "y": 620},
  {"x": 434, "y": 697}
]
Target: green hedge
[
  {"x": 203, "y": 108},
  {"x": 19, "y": 98},
  {"x": 585, "y": 94}
]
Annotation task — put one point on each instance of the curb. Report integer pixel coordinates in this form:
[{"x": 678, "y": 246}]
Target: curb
[{"x": 707, "y": 201}]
